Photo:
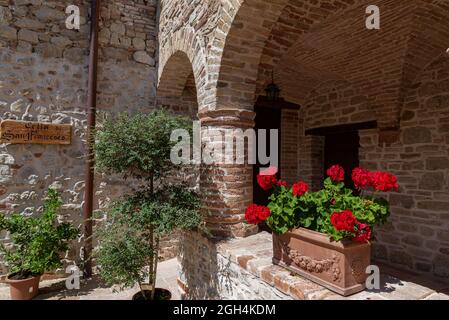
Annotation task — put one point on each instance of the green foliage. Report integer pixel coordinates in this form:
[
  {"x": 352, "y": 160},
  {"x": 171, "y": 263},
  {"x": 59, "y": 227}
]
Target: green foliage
[
  {"x": 129, "y": 238},
  {"x": 38, "y": 242},
  {"x": 284, "y": 208},
  {"x": 138, "y": 146},
  {"x": 314, "y": 209}
]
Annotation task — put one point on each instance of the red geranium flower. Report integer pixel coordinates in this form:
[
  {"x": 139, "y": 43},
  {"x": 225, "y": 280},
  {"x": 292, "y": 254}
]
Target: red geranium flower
[
  {"x": 363, "y": 233},
  {"x": 336, "y": 173},
  {"x": 300, "y": 188},
  {"x": 383, "y": 181},
  {"x": 282, "y": 183},
  {"x": 267, "y": 178},
  {"x": 256, "y": 214},
  {"x": 344, "y": 221},
  {"x": 361, "y": 178}
]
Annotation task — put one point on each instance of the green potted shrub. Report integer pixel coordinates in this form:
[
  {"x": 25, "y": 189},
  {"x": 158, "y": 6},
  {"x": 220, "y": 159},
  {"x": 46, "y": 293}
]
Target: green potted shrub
[
  {"x": 37, "y": 244},
  {"x": 139, "y": 147},
  {"x": 325, "y": 235}
]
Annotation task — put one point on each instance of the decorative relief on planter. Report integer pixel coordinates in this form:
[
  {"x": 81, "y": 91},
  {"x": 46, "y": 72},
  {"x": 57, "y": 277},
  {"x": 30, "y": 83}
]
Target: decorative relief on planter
[
  {"x": 358, "y": 268},
  {"x": 339, "y": 266},
  {"x": 316, "y": 266},
  {"x": 25, "y": 132}
]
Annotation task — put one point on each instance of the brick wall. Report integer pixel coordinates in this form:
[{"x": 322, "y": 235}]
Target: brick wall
[{"x": 289, "y": 145}]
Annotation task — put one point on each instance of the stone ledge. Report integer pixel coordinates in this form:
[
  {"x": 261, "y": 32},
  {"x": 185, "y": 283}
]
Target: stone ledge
[{"x": 253, "y": 256}]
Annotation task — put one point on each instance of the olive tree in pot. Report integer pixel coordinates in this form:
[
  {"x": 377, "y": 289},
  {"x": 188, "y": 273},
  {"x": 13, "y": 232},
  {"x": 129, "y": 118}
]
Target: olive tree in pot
[
  {"x": 36, "y": 246},
  {"x": 139, "y": 147}
]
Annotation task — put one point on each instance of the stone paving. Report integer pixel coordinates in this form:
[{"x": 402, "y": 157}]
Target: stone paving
[
  {"x": 96, "y": 290},
  {"x": 395, "y": 284}
]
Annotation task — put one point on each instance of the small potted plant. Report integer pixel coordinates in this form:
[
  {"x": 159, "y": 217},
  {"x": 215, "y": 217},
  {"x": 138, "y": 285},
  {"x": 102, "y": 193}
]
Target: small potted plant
[
  {"x": 37, "y": 244},
  {"x": 139, "y": 147},
  {"x": 325, "y": 235}
]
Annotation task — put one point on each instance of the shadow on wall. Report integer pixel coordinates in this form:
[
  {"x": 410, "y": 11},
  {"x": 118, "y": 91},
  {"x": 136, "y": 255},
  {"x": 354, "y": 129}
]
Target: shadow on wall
[{"x": 202, "y": 275}]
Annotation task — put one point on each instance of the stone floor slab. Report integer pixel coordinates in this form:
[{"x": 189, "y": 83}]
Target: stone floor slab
[
  {"x": 94, "y": 289},
  {"x": 392, "y": 287}
]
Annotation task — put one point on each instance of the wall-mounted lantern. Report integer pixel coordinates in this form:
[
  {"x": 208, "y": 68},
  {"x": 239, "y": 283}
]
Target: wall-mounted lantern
[{"x": 272, "y": 90}]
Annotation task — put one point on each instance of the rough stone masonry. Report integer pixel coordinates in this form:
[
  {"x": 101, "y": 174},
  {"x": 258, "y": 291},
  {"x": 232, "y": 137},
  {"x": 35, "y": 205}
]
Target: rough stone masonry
[
  {"x": 213, "y": 59},
  {"x": 43, "y": 77}
]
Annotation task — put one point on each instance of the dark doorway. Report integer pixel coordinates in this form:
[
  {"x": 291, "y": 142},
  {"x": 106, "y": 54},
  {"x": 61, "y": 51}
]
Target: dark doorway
[
  {"x": 342, "y": 149},
  {"x": 266, "y": 118},
  {"x": 342, "y": 145}
]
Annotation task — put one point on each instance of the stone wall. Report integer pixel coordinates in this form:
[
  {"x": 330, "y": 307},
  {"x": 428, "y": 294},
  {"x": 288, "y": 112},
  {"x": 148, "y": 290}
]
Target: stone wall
[
  {"x": 217, "y": 274},
  {"x": 416, "y": 235},
  {"x": 311, "y": 160},
  {"x": 336, "y": 102},
  {"x": 43, "y": 77},
  {"x": 330, "y": 104}
]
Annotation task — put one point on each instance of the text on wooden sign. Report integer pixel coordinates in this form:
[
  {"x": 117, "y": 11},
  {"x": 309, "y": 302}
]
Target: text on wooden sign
[{"x": 24, "y": 132}]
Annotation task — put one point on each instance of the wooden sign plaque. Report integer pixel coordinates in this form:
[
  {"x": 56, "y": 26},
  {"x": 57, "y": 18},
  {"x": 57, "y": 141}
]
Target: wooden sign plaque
[{"x": 25, "y": 132}]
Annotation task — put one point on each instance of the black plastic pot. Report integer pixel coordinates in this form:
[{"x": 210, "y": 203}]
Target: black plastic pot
[{"x": 160, "y": 295}]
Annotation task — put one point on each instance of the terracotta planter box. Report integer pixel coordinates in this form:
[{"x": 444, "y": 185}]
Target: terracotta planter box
[{"x": 338, "y": 266}]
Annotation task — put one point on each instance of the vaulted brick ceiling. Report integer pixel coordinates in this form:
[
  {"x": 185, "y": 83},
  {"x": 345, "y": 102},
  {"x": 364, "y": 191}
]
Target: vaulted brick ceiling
[
  {"x": 342, "y": 48},
  {"x": 305, "y": 53}
]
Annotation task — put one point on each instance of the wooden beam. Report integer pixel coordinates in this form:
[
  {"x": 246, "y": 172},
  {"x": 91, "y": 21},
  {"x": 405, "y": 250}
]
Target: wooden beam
[
  {"x": 264, "y": 102},
  {"x": 324, "y": 131}
]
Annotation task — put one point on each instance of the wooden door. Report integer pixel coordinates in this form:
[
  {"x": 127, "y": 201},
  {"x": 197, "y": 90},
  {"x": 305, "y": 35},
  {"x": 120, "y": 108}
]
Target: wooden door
[
  {"x": 266, "y": 118},
  {"x": 343, "y": 149}
]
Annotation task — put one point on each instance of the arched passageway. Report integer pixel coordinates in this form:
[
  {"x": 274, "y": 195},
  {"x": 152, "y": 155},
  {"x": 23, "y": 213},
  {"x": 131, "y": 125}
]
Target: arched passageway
[{"x": 343, "y": 76}]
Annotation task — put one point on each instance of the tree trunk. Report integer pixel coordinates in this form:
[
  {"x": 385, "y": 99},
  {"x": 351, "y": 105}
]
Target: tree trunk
[
  {"x": 156, "y": 258},
  {"x": 151, "y": 262}
]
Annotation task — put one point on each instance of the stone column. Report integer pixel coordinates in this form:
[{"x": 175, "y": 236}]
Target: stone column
[{"x": 227, "y": 189}]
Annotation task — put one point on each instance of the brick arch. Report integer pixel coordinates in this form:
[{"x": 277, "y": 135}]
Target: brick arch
[
  {"x": 174, "y": 76},
  {"x": 429, "y": 37},
  {"x": 247, "y": 29},
  {"x": 296, "y": 19},
  {"x": 182, "y": 55},
  {"x": 427, "y": 40},
  {"x": 427, "y": 94},
  {"x": 258, "y": 35}
]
